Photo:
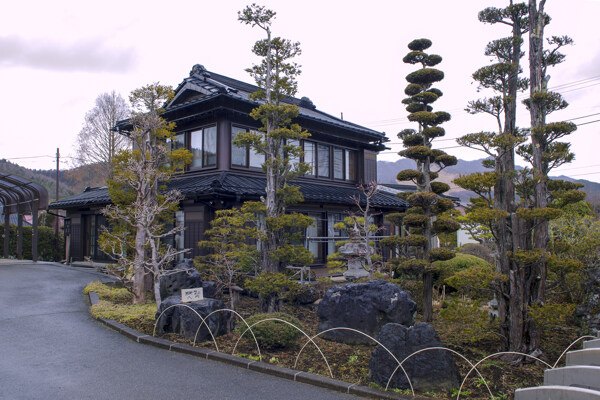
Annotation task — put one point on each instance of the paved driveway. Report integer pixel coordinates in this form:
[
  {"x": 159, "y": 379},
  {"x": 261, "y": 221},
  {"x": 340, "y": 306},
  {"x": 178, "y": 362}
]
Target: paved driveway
[{"x": 50, "y": 348}]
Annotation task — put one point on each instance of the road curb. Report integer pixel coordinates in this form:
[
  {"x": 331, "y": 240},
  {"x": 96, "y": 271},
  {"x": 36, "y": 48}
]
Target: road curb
[{"x": 258, "y": 366}]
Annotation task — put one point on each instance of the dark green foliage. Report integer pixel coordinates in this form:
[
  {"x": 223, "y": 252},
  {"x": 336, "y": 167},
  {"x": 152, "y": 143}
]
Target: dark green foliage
[
  {"x": 433, "y": 60},
  {"x": 414, "y": 107},
  {"x": 424, "y": 97},
  {"x": 423, "y": 117},
  {"x": 413, "y": 140},
  {"x": 442, "y": 205},
  {"x": 445, "y": 225},
  {"x": 419, "y": 44},
  {"x": 425, "y": 76},
  {"x": 409, "y": 175},
  {"x": 416, "y": 152},
  {"x": 441, "y": 254},
  {"x": 433, "y": 132},
  {"x": 439, "y": 187},
  {"x": 46, "y": 243},
  {"x": 413, "y": 89},
  {"x": 418, "y": 147},
  {"x": 423, "y": 199},
  {"x": 416, "y": 220},
  {"x": 272, "y": 334}
]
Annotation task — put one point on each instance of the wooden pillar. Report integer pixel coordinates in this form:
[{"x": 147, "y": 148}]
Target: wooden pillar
[
  {"x": 19, "y": 235},
  {"x": 34, "y": 231},
  {"x": 6, "y": 230}
]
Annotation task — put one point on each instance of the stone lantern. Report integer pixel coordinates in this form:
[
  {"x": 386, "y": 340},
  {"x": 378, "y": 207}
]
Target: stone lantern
[{"x": 355, "y": 252}]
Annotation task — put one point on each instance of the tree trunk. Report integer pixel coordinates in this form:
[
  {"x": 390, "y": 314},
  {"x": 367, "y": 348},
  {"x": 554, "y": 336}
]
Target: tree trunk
[
  {"x": 428, "y": 296},
  {"x": 537, "y": 281},
  {"x": 139, "y": 272}
]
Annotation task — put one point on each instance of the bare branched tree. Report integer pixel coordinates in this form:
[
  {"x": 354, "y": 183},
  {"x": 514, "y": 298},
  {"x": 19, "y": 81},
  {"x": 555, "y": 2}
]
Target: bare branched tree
[
  {"x": 97, "y": 142},
  {"x": 139, "y": 211}
]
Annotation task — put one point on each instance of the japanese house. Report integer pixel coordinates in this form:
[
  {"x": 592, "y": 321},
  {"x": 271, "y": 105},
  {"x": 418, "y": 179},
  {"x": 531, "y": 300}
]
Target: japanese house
[{"x": 209, "y": 110}]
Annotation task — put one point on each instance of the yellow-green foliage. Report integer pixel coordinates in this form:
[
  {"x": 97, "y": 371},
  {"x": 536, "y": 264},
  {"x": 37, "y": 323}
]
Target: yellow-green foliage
[
  {"x": 460, "y": 262},
  {"x": 139, "y": 315},
  {"x": 112, "y": 294},
  {"x": 467, "y": 322},
  {"x": 474, "y": 281},
  {"x": 551, "y": 314},
  {"x": 272, "y": 334}
]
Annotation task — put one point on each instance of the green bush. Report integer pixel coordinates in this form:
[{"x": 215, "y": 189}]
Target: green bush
[
  {"x": 467, "y": 322},
  {"x": 139, "y": 316},
  {"x": 46, "y": 244},
  {"x": 272, "y": 334},
  {"x": 446, "y": 269},
  {"x": 111, "y": 294}
]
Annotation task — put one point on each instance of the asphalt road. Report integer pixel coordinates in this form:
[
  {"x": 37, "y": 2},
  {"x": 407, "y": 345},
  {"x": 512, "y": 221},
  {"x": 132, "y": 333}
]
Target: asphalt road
[{"x": 51, "y": 348}]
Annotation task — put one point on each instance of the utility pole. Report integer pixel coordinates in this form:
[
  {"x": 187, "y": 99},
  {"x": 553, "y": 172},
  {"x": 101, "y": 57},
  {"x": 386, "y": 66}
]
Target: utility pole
[{"x": 56, "y": 241}]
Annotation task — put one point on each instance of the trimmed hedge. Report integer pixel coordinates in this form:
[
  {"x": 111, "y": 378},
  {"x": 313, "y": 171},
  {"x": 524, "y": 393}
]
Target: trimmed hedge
[
  {"x": 46, "y": 246},
  {"x": 272, "y": 334}
]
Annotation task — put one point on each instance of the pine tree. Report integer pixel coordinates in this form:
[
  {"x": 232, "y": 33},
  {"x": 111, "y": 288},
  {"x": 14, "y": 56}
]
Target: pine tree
[
  {"x": 424, "y": 219},
  {"x": 278, "y": 139}
]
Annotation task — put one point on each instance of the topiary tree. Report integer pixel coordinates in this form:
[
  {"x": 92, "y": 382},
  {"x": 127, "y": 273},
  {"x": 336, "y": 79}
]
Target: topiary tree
[{"x": 426, "y": 217}]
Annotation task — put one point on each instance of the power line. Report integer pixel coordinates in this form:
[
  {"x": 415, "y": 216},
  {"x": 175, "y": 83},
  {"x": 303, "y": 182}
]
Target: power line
[
  {"x": 394, "y": 121},
  {"x": 25, "y": 158}
]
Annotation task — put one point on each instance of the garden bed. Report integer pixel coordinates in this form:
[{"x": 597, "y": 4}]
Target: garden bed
[{"x": 351, "y": 363}]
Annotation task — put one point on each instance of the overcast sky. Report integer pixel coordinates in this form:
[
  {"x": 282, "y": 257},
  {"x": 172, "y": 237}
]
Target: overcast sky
[{"x": 57, "y": 57}]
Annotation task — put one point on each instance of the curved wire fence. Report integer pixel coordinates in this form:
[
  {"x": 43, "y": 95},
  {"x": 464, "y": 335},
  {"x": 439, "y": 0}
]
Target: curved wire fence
[{"x": 310, "y": 339}]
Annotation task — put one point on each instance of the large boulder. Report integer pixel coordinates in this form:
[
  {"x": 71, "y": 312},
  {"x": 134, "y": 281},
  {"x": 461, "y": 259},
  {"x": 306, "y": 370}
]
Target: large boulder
[
  {"x": 183, "y": 319},
  {"x": 184, "y": 276},
  {"x": 365, "y": 307},
  {"x": 431, "y": 370}
]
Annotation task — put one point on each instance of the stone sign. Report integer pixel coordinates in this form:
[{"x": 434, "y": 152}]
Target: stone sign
[{"x": 191, "y": 295}]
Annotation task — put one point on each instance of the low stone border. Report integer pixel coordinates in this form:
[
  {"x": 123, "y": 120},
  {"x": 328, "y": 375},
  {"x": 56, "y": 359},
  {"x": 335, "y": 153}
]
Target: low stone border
[{"x": 258, "y": 366}]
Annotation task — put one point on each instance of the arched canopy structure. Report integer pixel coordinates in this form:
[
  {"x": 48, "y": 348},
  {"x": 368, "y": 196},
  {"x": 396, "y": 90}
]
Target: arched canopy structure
[{"x": 21, "y": 196}]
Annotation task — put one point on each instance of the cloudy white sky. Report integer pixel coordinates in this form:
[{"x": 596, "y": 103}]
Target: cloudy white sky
[{"x": 57, "y": 57}]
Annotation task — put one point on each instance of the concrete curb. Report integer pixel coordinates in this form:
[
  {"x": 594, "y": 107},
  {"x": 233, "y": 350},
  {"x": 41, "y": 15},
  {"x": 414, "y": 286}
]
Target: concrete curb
[{"x": 258, "y": 366}]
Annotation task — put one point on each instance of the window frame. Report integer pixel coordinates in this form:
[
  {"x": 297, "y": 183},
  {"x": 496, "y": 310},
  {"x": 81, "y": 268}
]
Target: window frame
[{"x": 248, "y": 154}]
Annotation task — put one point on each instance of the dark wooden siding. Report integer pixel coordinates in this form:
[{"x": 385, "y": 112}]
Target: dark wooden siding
[
  {"x": 194, "y": 229},
  {"x": 76, "y": 236},
  {"x": 370, "y": 167}
]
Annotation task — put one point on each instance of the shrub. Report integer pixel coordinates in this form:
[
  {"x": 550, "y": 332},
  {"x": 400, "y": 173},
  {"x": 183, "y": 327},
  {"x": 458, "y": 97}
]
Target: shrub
[
  {"x": 272, "y": 334},
  {"x": 477, "y": 250},
  {"x": 460, "y": 262},
  {"x": 111, "y": 294},
  {"x": 140, "y": 316},
  {"x": 467, "y": 322},
  {"x": 46, "y": 243}
]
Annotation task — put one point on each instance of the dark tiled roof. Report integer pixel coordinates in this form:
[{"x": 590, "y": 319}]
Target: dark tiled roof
[
  {"x": 229, "y": 184},
  {"x": 213, "y": 84}
]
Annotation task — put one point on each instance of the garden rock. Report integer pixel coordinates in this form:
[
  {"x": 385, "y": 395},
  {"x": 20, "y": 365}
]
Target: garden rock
[
  {"x": 432, "y": 370},
  {"x": 187, "y": 277},
  {"x": 182, "y": 320},
  {"x": 365, "y": 307}
]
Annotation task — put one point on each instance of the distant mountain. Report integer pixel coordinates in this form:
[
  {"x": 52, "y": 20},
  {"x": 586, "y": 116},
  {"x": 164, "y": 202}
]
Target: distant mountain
[
  {"x": 71, "y": 181},
  {"x": 387, "y": 171}
]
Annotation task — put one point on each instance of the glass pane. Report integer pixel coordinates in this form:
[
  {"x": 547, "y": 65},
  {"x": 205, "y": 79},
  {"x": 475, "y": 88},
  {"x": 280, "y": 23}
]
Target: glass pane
[
  {"x": 256, "y": 160},
  {"x": 294, "y": 160},
  {"x": 323, "y": 164},
  {"x": 351, "y": 165},
  {"x": 210, "y": 146},
  {"x": 196, "y": 148},
  {"x": 313, "y": 232},
  {"x": 338, "y": 163},
  {"x": 309, "y": 156},
  {"x": 177, "y": 142},
  {"x": 238, "y": 154}
]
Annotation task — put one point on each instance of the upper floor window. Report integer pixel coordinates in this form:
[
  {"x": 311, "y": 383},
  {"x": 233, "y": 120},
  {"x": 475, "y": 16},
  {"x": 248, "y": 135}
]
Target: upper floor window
[
  {"x": 326, "y": 161},
  {"x": 244, "y": 156},
  {"x": 203, "y": 145},
  {"x": 176, "y": 142}
]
